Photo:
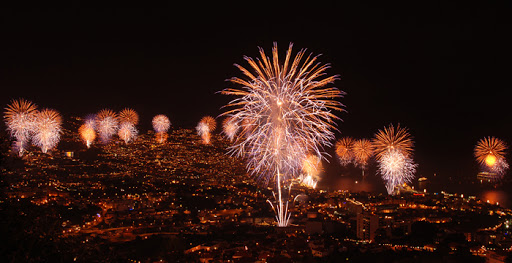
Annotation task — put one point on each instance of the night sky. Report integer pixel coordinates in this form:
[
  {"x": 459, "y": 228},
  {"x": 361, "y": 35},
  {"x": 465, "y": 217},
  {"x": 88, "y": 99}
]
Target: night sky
[{"x": 441, "y": 70}]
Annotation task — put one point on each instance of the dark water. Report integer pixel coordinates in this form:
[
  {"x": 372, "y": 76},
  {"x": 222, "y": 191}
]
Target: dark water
[{"x": 469, "y": 186}]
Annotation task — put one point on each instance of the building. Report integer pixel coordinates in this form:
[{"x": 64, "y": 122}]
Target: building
[{"x": 367, "y": 225}]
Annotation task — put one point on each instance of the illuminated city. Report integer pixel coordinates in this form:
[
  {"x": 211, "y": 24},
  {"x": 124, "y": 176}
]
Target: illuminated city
[{"x": 331, "y": 132}]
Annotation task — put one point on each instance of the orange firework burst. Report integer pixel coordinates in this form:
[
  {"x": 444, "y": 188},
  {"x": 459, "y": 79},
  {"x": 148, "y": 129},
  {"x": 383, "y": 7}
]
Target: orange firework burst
[
  {"x": 344, "y": 150},
  {"x": 20, "y": 106},
  {"x": 490, "y": 147},
  {"x": 51, "y": 115},
  {"x": 129, "y": 115},
  {"x": 363, "y": 151},
  {"x": 87, "y": 133},
  {"x": 106, "y": 113},
  {"x": 393, "y": 139},
  {"x": 210, "y": 122}
]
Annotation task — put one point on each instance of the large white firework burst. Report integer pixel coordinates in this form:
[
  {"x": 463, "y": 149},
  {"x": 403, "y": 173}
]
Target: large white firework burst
[
  {"x": 47, "y": 129},
  {"x": 106, "y": 124},
  {"x": 396, "y": 169},
  {"x": 127, "y": 132},
  {"x": 161, "y": 125},
  {"x": 20, "y": 118},
  {"x": 285, "y": 113}
]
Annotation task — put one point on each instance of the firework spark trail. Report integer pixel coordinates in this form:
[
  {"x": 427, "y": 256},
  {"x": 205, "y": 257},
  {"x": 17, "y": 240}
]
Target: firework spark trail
[
  {"x": 490, "y": 154},
  {"x": 20, "y": 118},
  {"x": 47, "y": 129},
  {"x": 286, "y": 113},
  {"x": 161, "y": 125},
  {"x": 396, "y": 169},
  {"x": 230, "y": 127},
  {"x": 127, "y": 132},
  {"x": 344, "y": 150},
  {"x": 391, "y": 138},
  {"x": 106, "y": 124},
  {"x": 205, "y": 127},
  {"x": 363, "y": 151}
]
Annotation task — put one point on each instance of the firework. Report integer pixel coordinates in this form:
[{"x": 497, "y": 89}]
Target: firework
[
  {"x": 344, "y": 150},
  {"x": 127, "y": 132},
  {"x": 363, "y": 151},
  {"x": 106, "y": 124},
  {"x": 391, "y": 138},
  {"x": 489, "y": 146},
  {"x": 90, "y": 120},
  {"x": 87, "y": 133},
  {"x": 230, "y": 128},
  {"x": 500, "y": 167},
  {"x": 20, "y": 118},
  {"x": 490, "y": 154},
  {"x": 47, "y": 129},
  {"x": 311, "y": 168},
  {"x": 161, "y": 125},
  {"x": 128, "y": 118},
  {"x": 205, "y": 127},
  {"x": 396, "y": 169},
  {"x": 286, "y": 113},
  {"x": 129, "y": 115}
]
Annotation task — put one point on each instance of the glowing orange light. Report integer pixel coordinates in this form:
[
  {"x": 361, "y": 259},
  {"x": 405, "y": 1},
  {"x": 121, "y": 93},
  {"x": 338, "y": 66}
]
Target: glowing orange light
[{"x": 490, "y": 160}]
